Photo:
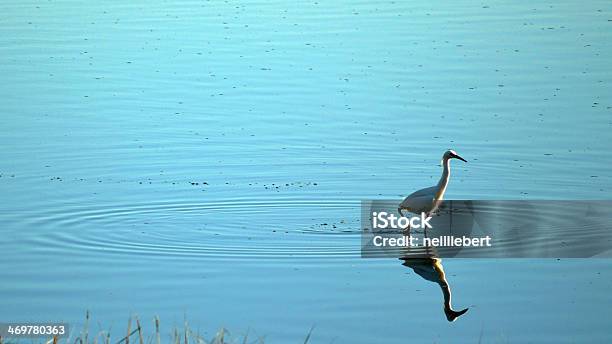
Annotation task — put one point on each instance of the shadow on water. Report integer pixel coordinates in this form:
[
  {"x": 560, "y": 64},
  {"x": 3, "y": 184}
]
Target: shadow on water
[{"x": 432, "y": 270}]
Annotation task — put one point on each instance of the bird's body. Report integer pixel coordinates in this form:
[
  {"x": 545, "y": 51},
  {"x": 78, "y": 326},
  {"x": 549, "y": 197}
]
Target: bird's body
[{"x": 427, "y": 200}]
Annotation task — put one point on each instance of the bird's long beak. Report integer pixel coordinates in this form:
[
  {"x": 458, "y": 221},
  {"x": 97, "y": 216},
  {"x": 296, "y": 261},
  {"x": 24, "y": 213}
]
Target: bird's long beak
[{"x": 460, "y": 158}]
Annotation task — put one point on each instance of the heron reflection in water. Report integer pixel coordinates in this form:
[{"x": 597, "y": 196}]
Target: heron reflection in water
[{"x": 431, "y": 269}]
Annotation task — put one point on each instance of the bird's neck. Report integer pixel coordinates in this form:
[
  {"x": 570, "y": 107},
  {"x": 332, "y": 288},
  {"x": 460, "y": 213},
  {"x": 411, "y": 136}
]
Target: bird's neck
[{"x": 444, "y": 179}]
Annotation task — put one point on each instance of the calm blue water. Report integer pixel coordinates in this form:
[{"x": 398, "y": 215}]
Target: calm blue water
[{"x": 207, "y": 159}]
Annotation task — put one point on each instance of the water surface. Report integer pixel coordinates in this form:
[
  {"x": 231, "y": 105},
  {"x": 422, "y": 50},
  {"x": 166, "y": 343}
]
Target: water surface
[{"x": 207, "y": 160}]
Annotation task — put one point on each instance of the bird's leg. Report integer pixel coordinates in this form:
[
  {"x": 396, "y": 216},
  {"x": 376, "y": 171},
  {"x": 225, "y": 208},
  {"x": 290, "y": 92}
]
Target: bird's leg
[
  {"x": 407, "y": 229},
  {"x": 425, "y": 228}
]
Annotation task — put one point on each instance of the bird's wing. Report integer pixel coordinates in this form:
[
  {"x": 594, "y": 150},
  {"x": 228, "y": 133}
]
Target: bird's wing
[
  {"x": 418, "y": 204},
  {"x": 430, "y": 191},
  {"x": 420, "y": 200}
]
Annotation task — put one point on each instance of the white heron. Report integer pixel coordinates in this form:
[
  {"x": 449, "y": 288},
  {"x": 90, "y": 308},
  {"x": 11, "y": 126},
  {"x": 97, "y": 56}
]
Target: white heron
[{"x": 427, "y": 200}]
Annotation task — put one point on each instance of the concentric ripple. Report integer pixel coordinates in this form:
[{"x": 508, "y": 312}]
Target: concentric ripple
[{"x": 221, "y": 229}]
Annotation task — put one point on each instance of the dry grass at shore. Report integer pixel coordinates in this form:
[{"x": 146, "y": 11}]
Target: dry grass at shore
[{"x": 136, "y": 334}]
